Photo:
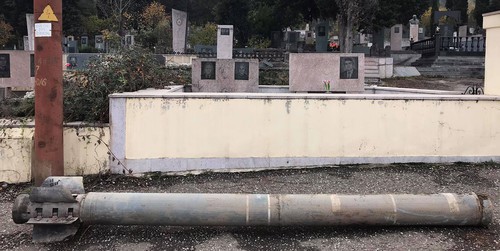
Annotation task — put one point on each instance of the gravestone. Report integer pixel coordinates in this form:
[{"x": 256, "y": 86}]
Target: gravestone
[
  {"x": 276, "y": 39},
  {"x": 70, "y": 45},
  {"x": 84, "y": 41},
  {"x": 4, "y": 65},
  {"x": 414, "y": 25},
  {"x": 129, "y": 40},
  {"x": 396, "y": 37},
  {"x": 30, "y": 24},
  {"x": 99, "y": 42},
  {"x": 292, "y": 41},
  {"x": 225, "y": 41},
  {"x": 309, "y": 37},
  {"x": 322, "y": 30},
  {"x": 17, "y": 69},
  {"x": 379, "y": 42},
  {"x": 345, "y": 71},
  {"x": 179, "y": 30},
  {"x": 446, "y": 30},
  {"x": 225, "y": 75},
  {"x": 78, "y": 61},
  {"x": 462, "y": 31},
  {"x": 421, "y": 33}
]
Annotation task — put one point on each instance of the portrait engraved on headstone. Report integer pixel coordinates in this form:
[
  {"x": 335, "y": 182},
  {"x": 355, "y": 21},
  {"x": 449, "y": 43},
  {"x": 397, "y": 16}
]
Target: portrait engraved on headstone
[
  {"x": 207, "y": 70},
  {"x": 241, "y": 70},
  {"x": 32, "y": 65},
  {"x": 4, "y": 66},
  {"x": 84, "y": 41},
  {"x": 72, "y": 62},
  {"x": 348, "y": 67},
  {"x": 224, "y": 31},
  {"x": 396, "y": 29}
]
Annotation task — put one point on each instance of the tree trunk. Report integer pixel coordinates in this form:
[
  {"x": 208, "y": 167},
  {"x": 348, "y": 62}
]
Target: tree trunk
[{"x": 346, "y": 26}]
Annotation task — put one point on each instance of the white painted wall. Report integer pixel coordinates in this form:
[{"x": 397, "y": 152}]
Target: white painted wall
[
  {"x": 81, "y": 156},
  {"x": 491, "y": 23},
  {"x": 211, "y": 131}
]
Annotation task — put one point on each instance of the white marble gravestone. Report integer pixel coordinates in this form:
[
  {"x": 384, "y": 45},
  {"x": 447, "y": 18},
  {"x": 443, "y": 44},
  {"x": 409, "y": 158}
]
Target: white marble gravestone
[
  {"x": 179, "y": 28},
  {"x": 396, "y": 37},
  {"x": 30, "y": 23},
  {"x": 225, "y": 41},
  {"x": 414, "y": 25}
]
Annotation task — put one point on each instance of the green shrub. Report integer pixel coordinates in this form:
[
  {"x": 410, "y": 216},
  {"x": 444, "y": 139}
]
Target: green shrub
[{"x": 86, "y": 91}]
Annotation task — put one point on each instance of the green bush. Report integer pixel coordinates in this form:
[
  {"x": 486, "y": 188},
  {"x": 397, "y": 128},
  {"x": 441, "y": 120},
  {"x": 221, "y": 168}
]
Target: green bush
[{"x": 86, "y": 91}]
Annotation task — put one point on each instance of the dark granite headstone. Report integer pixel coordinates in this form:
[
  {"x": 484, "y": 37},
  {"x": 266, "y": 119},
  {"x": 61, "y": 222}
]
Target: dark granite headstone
[
  {"x": 322, "y": 30},
  {"x": 276, "y": 39},
  {"x": 241, "y": 70},
  {"x": 4, "y": 66},
  {"x": 32, "y": 65}
]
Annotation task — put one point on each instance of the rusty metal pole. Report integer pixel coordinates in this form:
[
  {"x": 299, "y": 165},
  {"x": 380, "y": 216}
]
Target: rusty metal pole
[{"x": 48, "y": 145}]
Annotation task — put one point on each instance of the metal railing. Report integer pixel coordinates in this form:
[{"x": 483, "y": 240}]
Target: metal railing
[
  {"x": 450, "y": 46},
  {"x": 269, "y": 55},
  {"x": 426, "y": 47}
]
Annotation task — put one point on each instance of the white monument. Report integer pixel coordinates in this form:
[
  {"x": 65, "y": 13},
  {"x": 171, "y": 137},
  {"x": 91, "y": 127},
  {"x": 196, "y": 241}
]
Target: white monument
[
  {"x": 396, "y": 37},
  {"x": 224, "y": 41},
  {"x": 414, "y": 22},
  {"x": 179, "y": 28},
  {"x": 99, "y": 42},
  {"x": 30, "y": 23}
]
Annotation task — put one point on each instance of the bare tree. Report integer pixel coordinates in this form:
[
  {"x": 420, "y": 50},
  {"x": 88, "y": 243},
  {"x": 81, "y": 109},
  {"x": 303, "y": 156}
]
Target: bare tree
[
  {"x": 114, "y": 9},
  {"x": 351, "y": 14}
]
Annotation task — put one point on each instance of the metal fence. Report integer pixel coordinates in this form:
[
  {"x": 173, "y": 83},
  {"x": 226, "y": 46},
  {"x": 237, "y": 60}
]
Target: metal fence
[
  {"x": 450, "y": 46},
  {"x": 269, "y": 55}
]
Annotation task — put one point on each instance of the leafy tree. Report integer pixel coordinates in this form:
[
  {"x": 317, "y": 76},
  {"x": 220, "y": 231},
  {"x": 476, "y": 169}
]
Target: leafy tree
[
  {"x": 155, "y": 28},
  {"x": 5, "y": 33},
  {"x": 391, "y": 12},
  {"x": 459, "y": 5},
  {"x": 205, "y": 35},
  {"x": 484, "y": 6},
  {"x": 93, "y": 25},
  {"x": 235, "y": 12},
  {"x": 115, "y": 10},
  {"x": 14, "y": 13},
  {"x": 75, "y": 14},
  {"x": 86, "y": 91}
]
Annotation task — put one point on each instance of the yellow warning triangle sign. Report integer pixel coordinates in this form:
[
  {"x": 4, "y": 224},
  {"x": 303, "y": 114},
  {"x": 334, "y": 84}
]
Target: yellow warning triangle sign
[{"x": 48, "y": 15}]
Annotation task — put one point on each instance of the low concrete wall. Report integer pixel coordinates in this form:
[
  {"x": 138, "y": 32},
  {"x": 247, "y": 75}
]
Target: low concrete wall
[
  {"x": 81, "y": 156},
  {"x": 491, "y": 23},
  {"x": 228, "y": 131}
]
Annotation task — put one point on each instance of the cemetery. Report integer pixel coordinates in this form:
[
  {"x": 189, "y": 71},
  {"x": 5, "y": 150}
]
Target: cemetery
[
  {"x": 202, "y": 117},
  {"x": 326, "y": 98},
  {"x": 328, "y": 94}
]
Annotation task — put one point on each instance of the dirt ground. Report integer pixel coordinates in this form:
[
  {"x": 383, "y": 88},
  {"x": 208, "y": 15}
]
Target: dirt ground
[
  {"x": 445, "y": 84},
  {"x": 481, "y": 178}
]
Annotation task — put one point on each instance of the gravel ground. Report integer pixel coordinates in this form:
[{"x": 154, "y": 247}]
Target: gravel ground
[{"x": 481, "y": 178}]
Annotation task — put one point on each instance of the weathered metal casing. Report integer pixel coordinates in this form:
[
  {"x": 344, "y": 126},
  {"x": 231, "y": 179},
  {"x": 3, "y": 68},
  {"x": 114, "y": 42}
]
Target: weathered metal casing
[{"x": 284, "y": 210}]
